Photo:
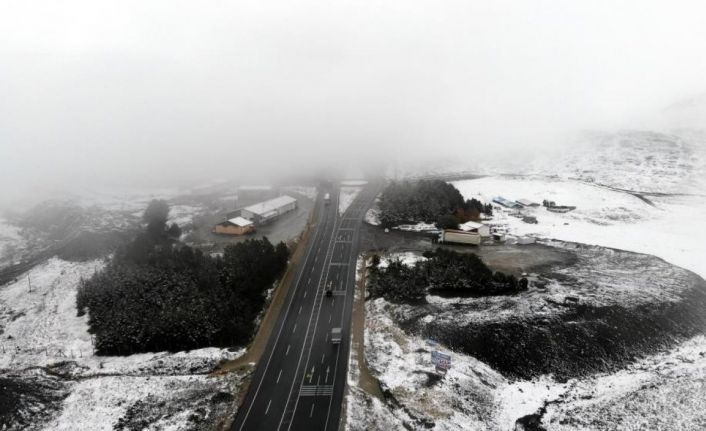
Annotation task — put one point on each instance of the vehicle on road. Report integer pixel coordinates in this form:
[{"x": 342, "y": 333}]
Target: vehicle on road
[
  {"x": 327, "y": 199},
  {"x": 336, "y": 335}
]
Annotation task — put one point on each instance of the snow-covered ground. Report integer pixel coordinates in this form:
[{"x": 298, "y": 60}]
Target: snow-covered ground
[
  {"x": 308, "y": 191},
  {"x": 673, "y": 229},
  {"x": 11, "y": 242},
  {"x": 40, "y": 328},
  {"x": 183, "y": 215},
  {"x": 662, "y": 391},
  {"x": 347, "y": 196}
]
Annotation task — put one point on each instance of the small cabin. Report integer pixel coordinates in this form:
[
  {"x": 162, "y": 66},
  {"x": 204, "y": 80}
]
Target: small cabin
[{"x": 235, "y": 226}]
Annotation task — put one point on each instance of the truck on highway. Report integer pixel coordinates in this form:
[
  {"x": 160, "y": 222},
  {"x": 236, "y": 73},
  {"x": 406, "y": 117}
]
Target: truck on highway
[
  {"x": 327, "y": 199},
  {"x": 336, "y": 335}
]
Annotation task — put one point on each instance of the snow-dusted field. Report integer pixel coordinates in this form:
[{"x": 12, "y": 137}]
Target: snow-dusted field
[
  {"x": 11, "y": 242},
  {"x": 673, "y": 229},
  {"x": 40, "y": 328},
  {"x": 662, "y": 391}
]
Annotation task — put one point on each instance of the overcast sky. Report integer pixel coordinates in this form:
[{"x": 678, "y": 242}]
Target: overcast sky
[{"x": 128, "y": 91}]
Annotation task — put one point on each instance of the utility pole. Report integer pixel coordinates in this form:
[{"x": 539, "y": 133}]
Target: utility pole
[{"x": 29, "y": 283}]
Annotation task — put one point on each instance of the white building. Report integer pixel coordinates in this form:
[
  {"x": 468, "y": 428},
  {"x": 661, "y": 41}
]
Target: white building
[
  {"x": 264, "y": 212},
  {"x": 479, "y": 228},
  {"x": 527, "y": 203}
]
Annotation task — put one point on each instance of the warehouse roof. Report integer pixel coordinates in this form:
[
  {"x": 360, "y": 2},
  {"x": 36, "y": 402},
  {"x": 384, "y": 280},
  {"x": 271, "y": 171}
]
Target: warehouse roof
[
  {"x": 240, "y": 221},
  {"x": 263, "y": 208},
  {"x": 471, "y": 225}
]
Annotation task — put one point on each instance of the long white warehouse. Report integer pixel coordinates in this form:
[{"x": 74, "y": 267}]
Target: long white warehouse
[{"x": 264, "y": 212}]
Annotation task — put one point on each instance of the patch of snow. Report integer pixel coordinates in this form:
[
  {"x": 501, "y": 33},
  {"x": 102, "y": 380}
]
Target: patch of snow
[
  {"x": 354, "y": 183},
  {"x": 419, "y": 227},
  {"x": 408, "y": 258},
  {"x": 346, "y": 197},
  {"x": 372, "y": 216}
]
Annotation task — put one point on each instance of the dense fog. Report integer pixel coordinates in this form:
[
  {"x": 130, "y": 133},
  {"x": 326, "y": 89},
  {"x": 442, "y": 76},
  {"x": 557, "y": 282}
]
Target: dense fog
[{"x": 173, "y": 92}]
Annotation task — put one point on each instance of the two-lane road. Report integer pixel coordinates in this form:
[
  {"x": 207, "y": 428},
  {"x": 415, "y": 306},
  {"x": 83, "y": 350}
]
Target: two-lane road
[{"x": 300, "y": 379}]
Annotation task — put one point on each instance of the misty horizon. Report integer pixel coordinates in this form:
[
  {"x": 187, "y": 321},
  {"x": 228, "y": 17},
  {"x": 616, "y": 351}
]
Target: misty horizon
[{"x": 164, "y": 94}]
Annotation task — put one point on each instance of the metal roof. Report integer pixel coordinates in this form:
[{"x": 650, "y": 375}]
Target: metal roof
[
  {"x": 471, "y": 225},
  {"x": 240, "y": 221},
  {"x": 263, "y": 208}
]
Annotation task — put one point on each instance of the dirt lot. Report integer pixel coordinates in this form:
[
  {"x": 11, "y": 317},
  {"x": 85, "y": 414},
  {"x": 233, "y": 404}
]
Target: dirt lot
[
  {"x": 512, "y": 259},
  {"x": 286, "y": 228}
]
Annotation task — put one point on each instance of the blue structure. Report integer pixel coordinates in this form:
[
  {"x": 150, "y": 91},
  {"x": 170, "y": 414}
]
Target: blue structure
[{"x": 506, "y": 202}]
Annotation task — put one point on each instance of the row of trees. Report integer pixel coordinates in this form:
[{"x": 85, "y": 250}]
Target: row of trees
[
  {"x": 431, "y": 201},
  {"x": 443, "y": 271},
  {"x": 158, "y": 294}
]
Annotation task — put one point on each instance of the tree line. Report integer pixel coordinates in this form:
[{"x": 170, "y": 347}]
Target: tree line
[
  {"x": 159, "y": 294},
  {"x": 444, "y": 271},
  {"x": 430, "y": 201}
]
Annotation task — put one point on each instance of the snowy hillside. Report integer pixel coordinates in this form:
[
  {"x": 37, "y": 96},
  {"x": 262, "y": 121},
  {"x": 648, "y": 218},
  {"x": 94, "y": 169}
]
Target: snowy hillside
[{"x": 46, "y": 349}]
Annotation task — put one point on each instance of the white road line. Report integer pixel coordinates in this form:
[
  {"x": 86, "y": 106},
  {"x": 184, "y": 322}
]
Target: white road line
[
  {"x": 305, "y": 293},
  {"x": 311, "y": 413},
  {"x": 268, "y": 407},
  {"x": 324, "y": 276},
  {"x": 317, "y": 234},
  {"x": 295, "y": 328},
  {"x": 338, "y": 351},
  {"x": 279, "y": 375},
  {"x": 323, "y": 355},
  {"x": 329, "y": 318},
  {"x": 287, "y": 352},
  {"x": 300, "y": 310}
]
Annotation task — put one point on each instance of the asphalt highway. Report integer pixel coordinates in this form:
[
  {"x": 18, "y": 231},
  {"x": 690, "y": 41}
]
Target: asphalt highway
[{"x": 300, "y": 379}]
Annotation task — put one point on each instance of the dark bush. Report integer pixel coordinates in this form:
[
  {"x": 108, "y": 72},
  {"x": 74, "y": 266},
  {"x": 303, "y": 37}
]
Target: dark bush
[{"x": 444, "y": 271}]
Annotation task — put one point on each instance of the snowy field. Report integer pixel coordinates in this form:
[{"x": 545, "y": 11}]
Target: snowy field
[
  {"x": 41, "y": 332},
  {"x": 11, "y": 242},
  {"x": 673, "y": 229}
]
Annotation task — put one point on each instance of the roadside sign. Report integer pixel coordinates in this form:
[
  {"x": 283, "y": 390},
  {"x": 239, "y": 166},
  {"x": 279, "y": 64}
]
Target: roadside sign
[
  {"x": 441, "y": 360},
  {"x": 439, "y": 355}
]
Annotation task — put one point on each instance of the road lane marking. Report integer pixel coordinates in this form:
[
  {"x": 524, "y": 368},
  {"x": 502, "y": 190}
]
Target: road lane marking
[
  {"x": 295, "y": 328},
  {"x": 329, "y": 318},
  {"x": 287, "y": 352},
  {"x": 317, "y": 235},
  {"x": 311, "y": 413},
  {"x": 323, "y": 355},
  {"x": 279, "y": 375},
  {"x": 305, "y": 293},
  {"x": 316, "y": 312},
  {"x": 300, "y": 310},
  {"x": 268, "y": 407}
]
